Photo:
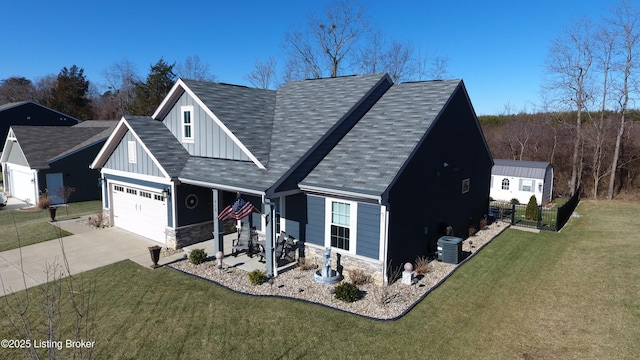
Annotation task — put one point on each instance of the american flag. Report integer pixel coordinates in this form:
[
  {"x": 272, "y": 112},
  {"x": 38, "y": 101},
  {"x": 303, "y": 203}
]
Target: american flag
[{"x": 238, "y": 210}]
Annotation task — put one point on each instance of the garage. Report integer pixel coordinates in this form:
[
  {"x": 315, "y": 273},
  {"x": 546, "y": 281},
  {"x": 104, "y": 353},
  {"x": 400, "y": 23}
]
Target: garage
[
  {"x": 139, "y": 211},
  {"x": 22, "y": 185}
]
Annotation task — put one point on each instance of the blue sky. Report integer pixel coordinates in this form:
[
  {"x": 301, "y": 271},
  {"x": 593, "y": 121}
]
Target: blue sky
[{"x": 497, "y": 47}]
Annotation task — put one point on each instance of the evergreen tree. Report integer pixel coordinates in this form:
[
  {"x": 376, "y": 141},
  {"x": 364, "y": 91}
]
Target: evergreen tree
[
  {"x": 531, "y": 213},
  {"x": 149, "y": 94},
  {"x": 69, "y": 93}
]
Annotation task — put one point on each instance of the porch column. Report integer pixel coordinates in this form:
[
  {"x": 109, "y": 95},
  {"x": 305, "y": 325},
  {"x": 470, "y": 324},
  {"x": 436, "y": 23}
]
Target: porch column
[
  {"x": 217, "y": 243},
  {"x": 270, "y": 210}
]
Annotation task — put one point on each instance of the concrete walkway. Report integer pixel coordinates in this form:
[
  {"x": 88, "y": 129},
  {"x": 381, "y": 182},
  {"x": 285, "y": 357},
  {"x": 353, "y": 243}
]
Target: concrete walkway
[{"x": 87, "y": 249}]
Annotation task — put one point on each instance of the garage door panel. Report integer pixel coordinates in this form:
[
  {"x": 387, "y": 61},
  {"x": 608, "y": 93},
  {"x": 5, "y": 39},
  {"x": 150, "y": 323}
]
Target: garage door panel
[
  {"x": 22, "y": 186},
  {"x": 139, "y": 211}
]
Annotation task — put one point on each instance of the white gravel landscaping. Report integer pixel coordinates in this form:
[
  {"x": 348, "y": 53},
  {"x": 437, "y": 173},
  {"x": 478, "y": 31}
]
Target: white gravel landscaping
[{"x": 384, "y": 303}]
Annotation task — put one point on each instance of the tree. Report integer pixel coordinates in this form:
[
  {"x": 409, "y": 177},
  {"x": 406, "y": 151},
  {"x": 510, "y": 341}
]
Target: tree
[
  {"x": 193, "y": 68},
  {"x": 626, "y": 22},
  {"x": 328, "y": 43},
  {"x": 69, "y": 93},
  {"x": 531, "y": 212},
  {"x": 16, "y": 89},
  {"x": 569, "y": 62},
  {"x": 264, "y": 74},
  {"x": 149, "y": 94}
]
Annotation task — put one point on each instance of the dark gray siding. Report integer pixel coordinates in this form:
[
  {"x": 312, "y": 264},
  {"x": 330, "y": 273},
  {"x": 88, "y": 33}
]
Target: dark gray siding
[
  {"x": 368, "y": 242},
  {"x": 315, "y": 220},
  {"x": 428, "y": 194},
  {"x": 209, "y": 139},
  {"x": 194, "y": 204},
  {"x": 296, "y": 215},
  {"x": 76, "y": 174},
  {"x": 30, "y": 113},
  {"x": 119, "y": 159}
]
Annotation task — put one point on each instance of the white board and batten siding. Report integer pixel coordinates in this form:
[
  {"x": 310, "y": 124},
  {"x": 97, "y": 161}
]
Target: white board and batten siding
[{"x": 209, "y": 139}]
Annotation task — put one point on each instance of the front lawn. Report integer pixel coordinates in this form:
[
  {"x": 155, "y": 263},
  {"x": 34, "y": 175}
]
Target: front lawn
[
  {"x": 33, "y": 226},
  {"x": 573, "y": 294}
]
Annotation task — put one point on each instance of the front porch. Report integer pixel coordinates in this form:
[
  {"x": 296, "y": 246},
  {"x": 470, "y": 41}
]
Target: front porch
[{"x": 242, "y": 261}]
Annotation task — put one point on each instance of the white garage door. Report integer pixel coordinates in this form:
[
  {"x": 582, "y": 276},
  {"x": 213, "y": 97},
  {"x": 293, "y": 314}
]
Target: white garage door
[
  {"x": 23, "y": 186},
  {"x": 140, "y": 211}
]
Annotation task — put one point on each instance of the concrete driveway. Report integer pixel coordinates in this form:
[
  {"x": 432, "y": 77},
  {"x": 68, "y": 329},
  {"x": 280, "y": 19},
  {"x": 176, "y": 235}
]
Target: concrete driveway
[{"x": 87, "y": 249}]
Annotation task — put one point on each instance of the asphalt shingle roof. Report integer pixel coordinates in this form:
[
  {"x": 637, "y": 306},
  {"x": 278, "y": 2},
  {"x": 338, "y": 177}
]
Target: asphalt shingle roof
[
  {"x": 171, "y": 155},
  {"x": 304, "y": 113},
  {"x": 42, "y": 144},
  {"x": 369, "y": 157},
  {"x": 247, "y": 112}
]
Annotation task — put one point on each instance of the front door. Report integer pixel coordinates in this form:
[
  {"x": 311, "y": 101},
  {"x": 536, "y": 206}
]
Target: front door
[{"x": 55, "y": 188}]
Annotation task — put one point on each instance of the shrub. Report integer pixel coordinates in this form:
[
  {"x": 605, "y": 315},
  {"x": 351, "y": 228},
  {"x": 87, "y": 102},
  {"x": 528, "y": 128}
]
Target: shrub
[
  {"x": 306, "y": 265},
  {"x": 43, "y": 201},
  {"x": 472, "y": 230},
  {"x": 515, "y": 201},
  {"x": 96, "y": 221},
  {"x": 257, "y": 277},
  {"x": 531, "y": 213},
  {"x": 422, "y": 265},
  {"x": 483, "y": 223},
  {"x": 347, "y": 292},
  {"x": 359, "y": 277},
  {"x": 197, "y": 256}
]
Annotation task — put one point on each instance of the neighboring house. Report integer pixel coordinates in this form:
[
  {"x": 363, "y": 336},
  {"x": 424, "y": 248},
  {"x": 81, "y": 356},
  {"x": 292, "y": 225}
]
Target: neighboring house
[
  {"x": 514, "y": 179},
  {"x": 372, "y": 169},
  {"x": 47, "y": 159},
  {"x": 30, "y": 113}
]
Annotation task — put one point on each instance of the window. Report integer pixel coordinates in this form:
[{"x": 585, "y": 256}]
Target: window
[
  {"x": 145, "y": 194},
  {"x": 505, "y": 184},
  {"x": 118, "y": 188},
  {"x": 527, "y": 185},
  {"x": 132, "y": 191},
  {"x": 540, "y": 187},
  {"x": 466, "y": 183},
  {"x": 187, "y": 123},
  {"x": 340, "y": 229},
  {"x": 131, "y": 148}
]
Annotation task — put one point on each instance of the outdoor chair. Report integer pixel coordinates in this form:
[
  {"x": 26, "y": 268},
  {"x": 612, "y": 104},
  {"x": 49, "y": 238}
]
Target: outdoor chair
[
  {"x": 279, "y": 250},
  {"x": 244, "y": 243}
]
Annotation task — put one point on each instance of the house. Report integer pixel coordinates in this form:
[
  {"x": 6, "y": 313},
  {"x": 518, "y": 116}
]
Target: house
[
  {"x": 30, "y": 113},
  {"x": 374, "y": 170},
  {"x": 514, "y": 179},
  {"x": 47, "y": 159}
]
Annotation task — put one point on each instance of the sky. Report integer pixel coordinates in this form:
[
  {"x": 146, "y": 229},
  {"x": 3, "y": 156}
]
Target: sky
[{"x": 497, "y": 47}]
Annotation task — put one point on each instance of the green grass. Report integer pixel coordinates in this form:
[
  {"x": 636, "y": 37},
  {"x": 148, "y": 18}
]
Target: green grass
[
  {"x": 33, "y": 226},
  {"x": 573, "y": 294}
]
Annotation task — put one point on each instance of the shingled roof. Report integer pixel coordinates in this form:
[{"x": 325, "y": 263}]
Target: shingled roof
[
  {"x": 42, "y": 145},
  {"x": 370, "y": 156}
]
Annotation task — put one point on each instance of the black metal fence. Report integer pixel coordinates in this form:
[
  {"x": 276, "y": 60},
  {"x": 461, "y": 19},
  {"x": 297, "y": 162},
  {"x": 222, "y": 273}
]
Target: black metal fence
[{"x": 550, "y": 217}]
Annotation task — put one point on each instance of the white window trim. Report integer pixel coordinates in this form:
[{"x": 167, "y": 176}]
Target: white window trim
[
  {"x": 131, "y": 152},
  {"x": 184, "y": 109},
  {"x": 353, "y": 225}
]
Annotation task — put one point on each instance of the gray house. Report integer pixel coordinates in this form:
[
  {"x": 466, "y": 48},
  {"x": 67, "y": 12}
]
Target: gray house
[
  {"x": 515, "y": 179},
  {"x": 46, "y": 159},
  {"x": 373, "y": 170}
]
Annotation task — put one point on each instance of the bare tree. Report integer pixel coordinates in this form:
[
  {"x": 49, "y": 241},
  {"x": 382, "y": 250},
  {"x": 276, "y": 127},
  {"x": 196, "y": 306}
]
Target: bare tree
[
  {"x": 120, "y": 79},
  {"x": 626, "y": 23},
  {"x": 16, "y": 89},
  {"x": 328, "y": 41},
  {"x": 193, "y": 68},
  {"x": 569, "y": 63},
  {"x": 264, "y": 74}
]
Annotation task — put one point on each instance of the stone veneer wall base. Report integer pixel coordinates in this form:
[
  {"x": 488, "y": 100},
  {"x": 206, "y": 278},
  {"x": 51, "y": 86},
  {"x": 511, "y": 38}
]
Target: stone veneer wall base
[{"x": 347, "y": 263}]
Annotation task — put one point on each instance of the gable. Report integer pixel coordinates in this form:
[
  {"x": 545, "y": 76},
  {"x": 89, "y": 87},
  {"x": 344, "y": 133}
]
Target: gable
[
  {"x": 16, "y": 156},
  {"x": 142, "y": 164},
  {"x": 209, "y": 139}
]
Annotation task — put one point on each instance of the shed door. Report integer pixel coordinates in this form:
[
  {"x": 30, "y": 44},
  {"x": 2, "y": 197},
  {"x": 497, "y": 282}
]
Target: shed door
[
  {"x": 55, "y": 187},
  {"x": 139, "y": 211}
]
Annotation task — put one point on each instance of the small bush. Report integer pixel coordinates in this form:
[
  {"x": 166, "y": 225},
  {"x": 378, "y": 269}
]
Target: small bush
[
  {"x": 472, "y": 230},
  {"x": 197, "y": 256},
  {"x": 483, "y": 223},
  {"x": 43, "y": 201},
  {"x": 515, "y": 201},
  {"x": 531, "y": 213},
  {"x": 96, "y": 221},
  {"x": 257, "y": 277},
  {"x": 422, "y": 265},
  {"x": 347, "y": 292},
  {"x": 359, "y": 277},
  {"x": 306, "y": 265}
]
